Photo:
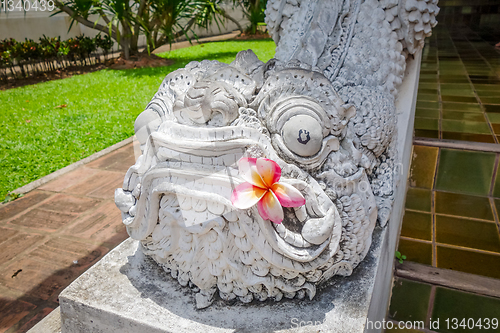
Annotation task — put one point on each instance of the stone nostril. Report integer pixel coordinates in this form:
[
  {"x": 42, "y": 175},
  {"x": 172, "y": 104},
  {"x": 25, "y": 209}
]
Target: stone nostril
[{"x": 212, "y": 103}]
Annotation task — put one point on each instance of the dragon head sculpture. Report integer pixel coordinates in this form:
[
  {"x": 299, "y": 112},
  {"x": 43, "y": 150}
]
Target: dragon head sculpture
[{"x": 326, "y": 125}]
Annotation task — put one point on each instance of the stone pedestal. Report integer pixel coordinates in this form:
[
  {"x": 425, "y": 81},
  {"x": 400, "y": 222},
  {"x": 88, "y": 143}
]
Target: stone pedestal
[{"x": 127, "y": 292}]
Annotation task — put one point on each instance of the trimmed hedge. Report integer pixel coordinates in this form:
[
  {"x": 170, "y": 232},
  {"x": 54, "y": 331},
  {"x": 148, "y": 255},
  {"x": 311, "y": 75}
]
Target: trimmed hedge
[{"x": 30, "y": 58}]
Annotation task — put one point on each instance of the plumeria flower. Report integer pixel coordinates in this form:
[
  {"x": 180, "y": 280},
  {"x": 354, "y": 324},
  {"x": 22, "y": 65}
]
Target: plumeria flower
[{"x": 262, "y": 188}]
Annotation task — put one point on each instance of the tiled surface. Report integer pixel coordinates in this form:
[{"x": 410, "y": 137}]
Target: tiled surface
[
  {"x": 453, "y": 203},
  {"x": 451, "y": 219},
  {"x": 475, "y": 262},
  {"x": 401, "y": 309},
  {"x": 419, "y": 199},
  {"x": 459, "y": 89},
  {"x": 465, "y": 171},
  {"x": 54, "y": 233},
  {"x": 416, "y": 250},
  {"x": 467, "y": 233},
  {"x": 463, "y": 205},
  {"x": 454, "y": 304},
  {"x": 432, "y": 309},
  {"x": 417, "y": 225}
]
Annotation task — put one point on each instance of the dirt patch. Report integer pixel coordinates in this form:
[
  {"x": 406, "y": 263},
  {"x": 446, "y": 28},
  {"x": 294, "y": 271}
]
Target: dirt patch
[
  {"x": 257, "y": 35},
  {"x": 49, "y": 76},
  {"x": 138, "y": 61}
]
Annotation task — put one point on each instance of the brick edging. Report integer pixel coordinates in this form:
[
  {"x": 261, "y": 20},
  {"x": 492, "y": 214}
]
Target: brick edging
[{"x": 39, "y": 182}]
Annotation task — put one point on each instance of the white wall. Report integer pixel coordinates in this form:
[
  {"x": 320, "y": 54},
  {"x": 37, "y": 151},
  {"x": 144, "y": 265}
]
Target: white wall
[{"x": 33, "y": 25}]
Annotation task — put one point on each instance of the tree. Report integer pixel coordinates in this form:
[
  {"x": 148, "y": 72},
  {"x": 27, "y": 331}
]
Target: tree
[{"x": 160, "y": 21}]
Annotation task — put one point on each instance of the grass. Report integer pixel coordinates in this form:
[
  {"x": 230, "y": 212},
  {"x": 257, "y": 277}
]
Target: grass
[{"x": 47, "y": 126}]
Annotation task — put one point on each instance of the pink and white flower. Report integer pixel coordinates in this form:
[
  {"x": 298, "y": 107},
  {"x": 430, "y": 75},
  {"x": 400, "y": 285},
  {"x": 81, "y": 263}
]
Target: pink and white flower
[{"x": 262, "y": 188}]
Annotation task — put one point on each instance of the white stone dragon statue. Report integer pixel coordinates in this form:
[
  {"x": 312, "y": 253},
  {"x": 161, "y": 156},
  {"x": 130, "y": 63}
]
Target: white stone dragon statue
[{"x": 322, "y": 112}]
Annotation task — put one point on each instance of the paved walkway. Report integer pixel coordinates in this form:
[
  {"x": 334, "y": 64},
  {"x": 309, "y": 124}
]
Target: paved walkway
[{"x": 56, "y": 232}]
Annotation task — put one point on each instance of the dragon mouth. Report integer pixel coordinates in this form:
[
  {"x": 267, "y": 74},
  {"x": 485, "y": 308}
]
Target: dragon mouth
[{"x": 198, "y": 165}]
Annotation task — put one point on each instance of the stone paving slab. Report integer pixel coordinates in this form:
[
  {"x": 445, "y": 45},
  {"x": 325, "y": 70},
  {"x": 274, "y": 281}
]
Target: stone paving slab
[{"x": 56, "y": 232}]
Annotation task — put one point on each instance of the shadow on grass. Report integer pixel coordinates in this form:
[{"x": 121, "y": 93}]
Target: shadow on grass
[
  {"x": 179, "y": 62},
  {"x": 149, "y": 71},
  {"x": 241, "y": 40},
  {"x": 224, "y": 51}
]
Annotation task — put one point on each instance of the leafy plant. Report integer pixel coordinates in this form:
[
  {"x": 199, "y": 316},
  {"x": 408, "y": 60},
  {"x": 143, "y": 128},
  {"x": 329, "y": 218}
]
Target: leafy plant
[
  {"x": 160, "y": 21},
  {"x": 11, "y": 196},
  {"x": 400, "y": 257},
  {"x": 49, "y": 54}
]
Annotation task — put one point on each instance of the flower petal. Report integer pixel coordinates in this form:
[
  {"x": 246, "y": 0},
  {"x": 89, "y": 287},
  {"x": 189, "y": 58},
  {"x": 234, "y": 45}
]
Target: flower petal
[
  {"x": 246, "y": 195},
  {"x": 271, "y": 208},
  {"x": 262, "y": 211},
  {"x": 288, "y": 195},
  {"x": 269, "y": 170},
  {"x": 248, "y": 171}
]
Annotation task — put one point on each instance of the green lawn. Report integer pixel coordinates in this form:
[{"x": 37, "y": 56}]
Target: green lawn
[{"x": 37, "y": 137}]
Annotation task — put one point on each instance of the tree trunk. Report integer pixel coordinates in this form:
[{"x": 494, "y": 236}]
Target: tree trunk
[
  {"x": 129, "y": 45},
  {"x": 134, "y": 48},
  {"x": 227, "y": 16},
  {"x": 125, "y": 48},
  {"x": 133, "y": 43},
  {"x": 140, "y": 14}
]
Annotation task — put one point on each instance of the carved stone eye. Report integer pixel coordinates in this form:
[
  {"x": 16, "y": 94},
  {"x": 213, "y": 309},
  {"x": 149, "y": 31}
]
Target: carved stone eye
[{"x": 302, "y": 135}]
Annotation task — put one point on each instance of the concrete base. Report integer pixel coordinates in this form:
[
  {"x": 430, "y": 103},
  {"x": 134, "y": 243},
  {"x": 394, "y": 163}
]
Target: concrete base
[{"x": 128, "y": 293}]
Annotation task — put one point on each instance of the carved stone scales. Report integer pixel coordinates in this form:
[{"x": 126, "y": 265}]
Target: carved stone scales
[{"x": 323, "y": 110}]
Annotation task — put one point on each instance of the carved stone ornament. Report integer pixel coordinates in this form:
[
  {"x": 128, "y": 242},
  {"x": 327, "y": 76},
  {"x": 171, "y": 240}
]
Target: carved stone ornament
[{"x": 323, "y": 110}]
